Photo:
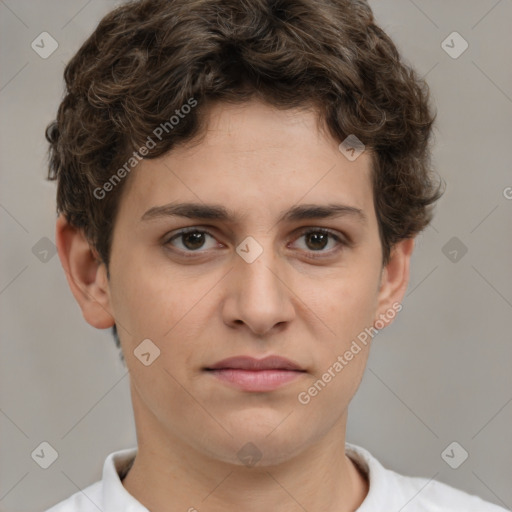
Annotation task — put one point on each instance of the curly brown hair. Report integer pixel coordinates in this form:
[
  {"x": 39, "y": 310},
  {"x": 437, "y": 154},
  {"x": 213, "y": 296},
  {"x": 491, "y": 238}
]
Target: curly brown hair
[{"x": 148, "y": 58}]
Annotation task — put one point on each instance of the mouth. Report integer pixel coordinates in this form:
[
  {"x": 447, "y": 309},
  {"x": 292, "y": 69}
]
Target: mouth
[
  {"x": 256, "y": 375},
  {"x": 250, "y": 363}
]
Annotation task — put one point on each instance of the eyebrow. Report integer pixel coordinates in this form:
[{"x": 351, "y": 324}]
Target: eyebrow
[{"x": 220, "y": 213}]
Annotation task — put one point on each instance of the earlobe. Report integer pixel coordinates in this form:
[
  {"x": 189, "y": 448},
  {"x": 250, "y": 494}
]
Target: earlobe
[
  {"x": 394, "y": 281},
  {"x": 86, "y": 274}
]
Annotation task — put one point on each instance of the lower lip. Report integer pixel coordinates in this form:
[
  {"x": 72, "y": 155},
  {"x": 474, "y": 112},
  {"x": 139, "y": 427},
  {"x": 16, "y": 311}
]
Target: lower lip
[{"x": 256, "y": 380}]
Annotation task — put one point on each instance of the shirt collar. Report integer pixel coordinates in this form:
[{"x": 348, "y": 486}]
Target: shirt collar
[
  {"x": 381, "y": 484},
  {"x": 115, "y": 496}
]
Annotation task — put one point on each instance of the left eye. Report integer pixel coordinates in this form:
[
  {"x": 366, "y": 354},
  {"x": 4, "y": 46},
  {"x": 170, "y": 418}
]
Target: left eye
[
  {"x": 319, "y": 238},
  {"x": 193, "y": 239}
]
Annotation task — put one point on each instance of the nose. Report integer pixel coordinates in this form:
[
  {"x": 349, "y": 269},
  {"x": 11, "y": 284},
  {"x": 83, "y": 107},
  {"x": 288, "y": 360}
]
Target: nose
[{"x": 259, "y": 295}]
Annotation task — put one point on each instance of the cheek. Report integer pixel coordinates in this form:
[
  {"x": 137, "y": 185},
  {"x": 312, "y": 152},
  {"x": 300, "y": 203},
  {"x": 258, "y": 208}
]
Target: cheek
[
  {"x": 146, "y": 301},
  {"x": 346, "y": 302},
  {"x": 346, "y": 310},
  {"x": 163, "y": 303}
]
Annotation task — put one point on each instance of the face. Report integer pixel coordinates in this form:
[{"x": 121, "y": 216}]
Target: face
[{"x": 251, "y": 283}]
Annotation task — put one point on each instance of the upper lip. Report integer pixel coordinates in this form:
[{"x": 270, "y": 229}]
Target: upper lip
[{"x": 250, "y": 363}]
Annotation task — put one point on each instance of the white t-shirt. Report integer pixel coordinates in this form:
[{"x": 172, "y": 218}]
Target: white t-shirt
[{"x": 388, "y": 491}]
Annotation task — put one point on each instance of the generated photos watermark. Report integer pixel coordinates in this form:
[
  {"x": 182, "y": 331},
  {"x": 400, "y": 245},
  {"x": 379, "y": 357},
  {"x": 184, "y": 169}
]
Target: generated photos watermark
[
  {"x": 137, "y": 156},
  {"x": 304, "y": 397}
]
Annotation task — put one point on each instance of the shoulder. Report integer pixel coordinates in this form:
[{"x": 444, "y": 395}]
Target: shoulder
[
  {"x": 434, "y": 496},
  {"x": 86, "y": 500},
  {"x": 389, "y": 490}
]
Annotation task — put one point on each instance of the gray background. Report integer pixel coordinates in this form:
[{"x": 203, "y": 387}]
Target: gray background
[{"x": 440, "y": 373}]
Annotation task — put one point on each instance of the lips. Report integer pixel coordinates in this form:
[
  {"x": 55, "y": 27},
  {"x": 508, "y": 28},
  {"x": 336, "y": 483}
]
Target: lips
[
  {"x": 252, "y": 364},
  {"x": 248, "y": 374},
  {"x": 256, "y": 375}
]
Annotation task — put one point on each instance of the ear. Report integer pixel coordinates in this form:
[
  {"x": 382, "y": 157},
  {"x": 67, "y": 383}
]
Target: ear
[
  {"x": 393, "y": 283},
  {"x": 86, "y": 274}
]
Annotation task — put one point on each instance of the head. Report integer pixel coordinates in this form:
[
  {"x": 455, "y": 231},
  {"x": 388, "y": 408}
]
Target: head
[{"x": 241, "y": 106}]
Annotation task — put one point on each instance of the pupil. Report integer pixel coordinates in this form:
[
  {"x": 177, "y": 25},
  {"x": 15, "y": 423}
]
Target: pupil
[
  {"x": 318, "y": 235},
  {"x": 195, "y": 235}
]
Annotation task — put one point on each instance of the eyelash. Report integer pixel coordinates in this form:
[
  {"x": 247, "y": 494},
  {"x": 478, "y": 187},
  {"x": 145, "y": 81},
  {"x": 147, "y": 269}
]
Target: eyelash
[{"x": 312, "y": 254}]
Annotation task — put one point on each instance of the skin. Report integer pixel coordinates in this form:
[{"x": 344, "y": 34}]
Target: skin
[{"x": 257, "y": 161}]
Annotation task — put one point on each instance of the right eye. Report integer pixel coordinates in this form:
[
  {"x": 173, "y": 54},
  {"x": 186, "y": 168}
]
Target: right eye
[{"x": 191, "y": 239}]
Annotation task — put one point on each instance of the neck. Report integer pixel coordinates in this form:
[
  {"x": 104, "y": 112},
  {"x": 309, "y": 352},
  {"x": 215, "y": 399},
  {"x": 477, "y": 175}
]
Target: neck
[{"x": 167, "y": 472}]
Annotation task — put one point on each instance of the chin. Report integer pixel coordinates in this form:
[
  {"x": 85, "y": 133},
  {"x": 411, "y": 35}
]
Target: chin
[{"x": 259, "y": 446}]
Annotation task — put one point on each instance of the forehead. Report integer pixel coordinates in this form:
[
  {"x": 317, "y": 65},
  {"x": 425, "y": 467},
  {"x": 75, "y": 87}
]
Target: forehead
[{"x": 254, "y": 156}]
